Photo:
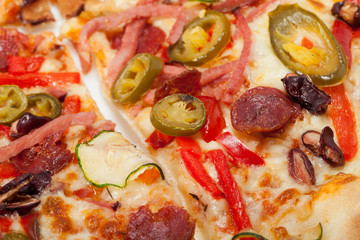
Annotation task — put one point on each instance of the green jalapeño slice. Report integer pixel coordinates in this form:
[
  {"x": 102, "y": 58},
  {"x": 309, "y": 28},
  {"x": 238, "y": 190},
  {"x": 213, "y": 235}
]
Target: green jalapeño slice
[
  {"x": 136, "y": 78},
  {"x": 43, "y": 104},
  {"x": 178, "y": 115},
  {"x": 202, "y": 40},
  {"x": 13, "y": 103},
  {"x": 323, "y": 61}
]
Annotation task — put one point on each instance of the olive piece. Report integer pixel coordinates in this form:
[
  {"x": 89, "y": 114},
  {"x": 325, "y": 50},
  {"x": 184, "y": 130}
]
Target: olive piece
[
  {"x": 300, "y": 167},
  {"x": 304, "y": 92},
  {"x": 347, "y": 11},
  {"x": 330, "y": 151},
  {"x": 15, "y": 236},
  {"x": 311, "y": 140},
  {"x": 27, "y": 123}
]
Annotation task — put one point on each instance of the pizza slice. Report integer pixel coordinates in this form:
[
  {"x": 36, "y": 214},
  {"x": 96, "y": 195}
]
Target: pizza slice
[
  {"x": 64, "y": 172},
  {"x": 216, "y": 93}
]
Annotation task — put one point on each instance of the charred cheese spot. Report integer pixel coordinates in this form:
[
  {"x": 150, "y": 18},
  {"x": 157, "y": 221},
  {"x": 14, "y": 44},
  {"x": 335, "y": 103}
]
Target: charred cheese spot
[
  {"x": 111, "y": 230},
  {"x": 286, "y": 195},
  {"x": 93, "y": 220},
  {"x": 269, "y": 180},
  {"x": 62, "y": 225},
  {"x": 280, "y": 233},
  {"x": 271, "y": 208},
  {"x": 72, "y": 176},
  {"x": 336, "y": 183},
  {"x": 55, "y": 206},
  {"x": 149, "y": 176},
  {"x": 317, "y": 4}
]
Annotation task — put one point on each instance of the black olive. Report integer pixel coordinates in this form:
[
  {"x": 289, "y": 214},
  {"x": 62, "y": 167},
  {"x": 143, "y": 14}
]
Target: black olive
[
  {"x": 300, "y": 167},
  {"x": 311, "y": 140},
  {"x": 304, "y": 92},
  {"x": 330, "y": 151},
  {"x": 347, "y": 11},
  {"x": 27, "y": 123}
]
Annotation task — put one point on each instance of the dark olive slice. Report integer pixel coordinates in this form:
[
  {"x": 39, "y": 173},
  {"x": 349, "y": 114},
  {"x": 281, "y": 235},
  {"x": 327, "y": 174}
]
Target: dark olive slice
[
  {"x": 300, "y": 167},
  {"x": 178, "y": 115}
]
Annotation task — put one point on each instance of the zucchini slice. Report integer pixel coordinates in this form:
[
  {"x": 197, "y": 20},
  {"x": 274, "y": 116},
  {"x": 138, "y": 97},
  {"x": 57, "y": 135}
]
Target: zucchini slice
[
  {"x": 109, "y": 159},
  {"x": 247, "y": 235},
  {"x": 314, "y": 233}
]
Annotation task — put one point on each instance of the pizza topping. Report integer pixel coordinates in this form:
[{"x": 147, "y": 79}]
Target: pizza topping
[
  {"x": 20, "y": 65},
  {"x": 108, "y": 159},
  {"x": 44, "y": 104},
  {"x": 14, "y": 236},
  {"x": 57, "y": 125},
  {"x": 344, "y": 35},
  {"x": 150, "y": 40},
  {"x": 230, "y": 5},
  {"x": 306, "y": 93},
  {"x": 36, "y": 12},
  {"x": 247, "y": 235},
  {"x": 325, "y": 64},
  {"x": 170, "y": 222},
  {"x": 300, "y": 167},
  {"x": 264, "y": 110},
  {"x": 186, "y": 82},
  {"x": 136, "y": 78},
  {"x": 71, "y": 105},
  {"x": 27, "y": 123},
  {"x": 31, "y": 225},
  {"x": 13, "y": 103},
  {"x": 159, "y": 140},
  {"x": 324, "y": 146},
  {"x": 70, "y": 8},
  {"x": 8, "y": 47},
  {"x": 349, "y": 11},
  {"x": 178, "y": 115},
  {"x": 202, "y": 40}
]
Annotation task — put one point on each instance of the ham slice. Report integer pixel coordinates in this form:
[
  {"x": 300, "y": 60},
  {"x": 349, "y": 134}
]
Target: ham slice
[
  {"x": 59, "y": 124},
  {"x": 259, "y": 10},
  {"x": 112, "y": 21},
  {"x": 230, "y": 5},
  {"x": 178, "y": 27},
  {"x": 127, "y": 50}
]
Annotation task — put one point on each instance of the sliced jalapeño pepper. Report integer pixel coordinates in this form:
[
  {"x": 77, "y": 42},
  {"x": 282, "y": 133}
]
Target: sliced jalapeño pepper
[
  {"x": 136, "y": 78},
  {"x": 178, "y": 115},
  {"x": 13, "y": 103},
  {"x": 43, "y": 104},
  {"x": 15, "y": 236},
  {"x": 202, "y": 40},
  {"x": 324, "y": 62}
]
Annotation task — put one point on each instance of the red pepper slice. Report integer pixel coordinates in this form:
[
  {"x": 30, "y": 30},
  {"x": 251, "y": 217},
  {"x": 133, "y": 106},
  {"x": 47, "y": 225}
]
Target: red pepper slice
[
  {"x": 20, "y": 65},
  {"x": 343, "y": 34},
  {"x": 5, "y": 224},
  {"x": 28, "y": 80},
  {"x": 159, "y": 140},
  {"x": 31, "y": 225},
  {"x": 230, "y": 188},
  {"x": 343, "y": 119},
  {"x": 199, "y": 173},
  {"x": 8, "y": 170},
  {"x": 188, "y": 144},
  {"x": 72, "y": 104},
  {"x": 239, "y": 152},
  {"x": 5, "y": 131},
  {"x": 215, "y": 121}
]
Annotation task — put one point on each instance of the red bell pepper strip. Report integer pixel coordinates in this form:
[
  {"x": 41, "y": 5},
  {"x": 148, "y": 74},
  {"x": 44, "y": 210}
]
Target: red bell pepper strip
[
  {"x": 5, "y": 224},
  {"x": 31, "y": 226},
  {"x": 199, "y": 173},
  {"x": 230, "y": 188},
  {"x": 159, "y": 140},
  {"x": 215, "y": 121},
  {"x": 188, "y": 144},
  {"x": 40, "y": 79},
  {"x": 21, "y": 65},
  {"x": 343, "y": 34},
  {"x": 8, "y": 170},
  {"x": 72, "y": 104},
  {"x": 343, "y": 119},
  {"x": 5, "y": 131},
  {"x": 239, "y": 152}
]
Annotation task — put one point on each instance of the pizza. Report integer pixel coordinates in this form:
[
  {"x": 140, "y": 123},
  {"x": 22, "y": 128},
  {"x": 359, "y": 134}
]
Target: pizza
[{"x": 247, "y": 109}]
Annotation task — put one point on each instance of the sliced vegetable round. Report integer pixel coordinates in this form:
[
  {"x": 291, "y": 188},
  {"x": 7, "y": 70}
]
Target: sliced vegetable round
[
  {"x": 178, "y": 115},
  {"x": 44, "y": 105},
  {"x": 312, "y": 233},
  {"x": 13, "y": 103},
  {"x": 247, "y": 235},
  {"x": 324, "y": 63},
  {"x": 15, "y": 236},
  {"x": 202, "y": 40},
  {"x": 136, "y": 78},
  {"x": 109, "y": 159}
]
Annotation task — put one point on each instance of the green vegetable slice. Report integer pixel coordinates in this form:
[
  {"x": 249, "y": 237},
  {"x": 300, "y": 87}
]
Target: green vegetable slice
[
  {"x": 13, "y": 104},
  {"x": 44, "y": 104},
  {"x": 314, "y": 233},
  {"x": 245, "y": 235},
  {"x": 202, "y": 40},
  {"x": 15, "y": 236},
  {"x": 136, "y": 78},
  {"x": 178, "y": 115},
  {"x": 109, "y": 159},
  {"x": 325, "y": 63}
]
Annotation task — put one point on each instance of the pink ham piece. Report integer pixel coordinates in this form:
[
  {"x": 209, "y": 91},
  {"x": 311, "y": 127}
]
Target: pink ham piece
[
  {"x": 105, "y": 125},
  {"x": 259, "y": 10},
  {"x": 178, "y": 27},
  {"x": 112, "y": 21},
  {"x": 230, "y": 5},
  {"x": 127, "y": 50},
  {"x": 59, "y": 124}
]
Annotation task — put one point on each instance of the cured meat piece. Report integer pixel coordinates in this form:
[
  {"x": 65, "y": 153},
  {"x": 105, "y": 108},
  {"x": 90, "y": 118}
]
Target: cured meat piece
[
  {"x": 150, "y": 40},
  {"x": 264, "y": 110},
  {"x": 36, "y": 12},
  {"x": 186, "y": 82},
  {"x": 57, "y": 125},
  {"x": 229, "y": 5},
  {"x": 50, "y": 155},
  {"x": 8, "y": 47},
  {"x": 170, "y": 222},
  {"x": 71, "y": 8}
]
